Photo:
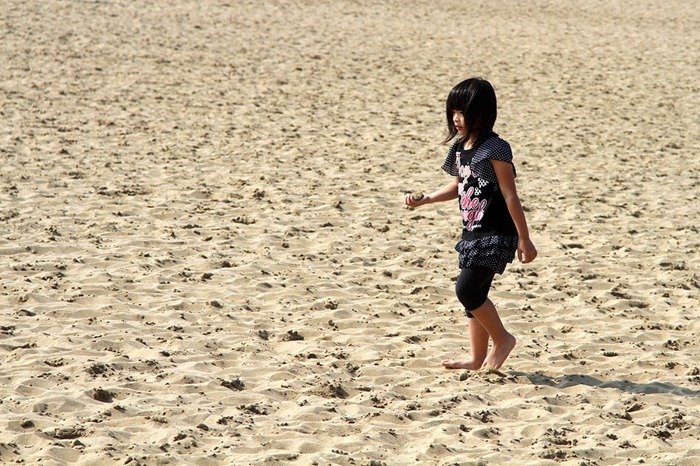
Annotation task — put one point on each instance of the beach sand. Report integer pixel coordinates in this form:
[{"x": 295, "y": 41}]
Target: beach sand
[{"x": 205, "y": 258}]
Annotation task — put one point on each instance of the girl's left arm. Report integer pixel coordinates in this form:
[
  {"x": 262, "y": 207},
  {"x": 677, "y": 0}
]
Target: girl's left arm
[{"x": 506, "y": 180}]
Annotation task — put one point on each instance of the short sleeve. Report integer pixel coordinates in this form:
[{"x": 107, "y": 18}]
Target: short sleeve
[
  {"x": 450, "y": 163},
  {"x": 493, "y": 148},
  {"x": 498, "y": 149}
]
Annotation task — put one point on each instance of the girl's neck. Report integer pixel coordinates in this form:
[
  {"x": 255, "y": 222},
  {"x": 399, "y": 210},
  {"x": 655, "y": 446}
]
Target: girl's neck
[
  {"x": 468, "y": 143},
  {"x": 472, "y": 142}
]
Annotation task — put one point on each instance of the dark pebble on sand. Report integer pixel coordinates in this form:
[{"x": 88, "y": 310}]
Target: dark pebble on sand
[
  {"x": 293, "y": 335},
  {"x": 102, "y": 395},
  {"x": 235, "y": 384},
  {"x": 26, "y": 424}
]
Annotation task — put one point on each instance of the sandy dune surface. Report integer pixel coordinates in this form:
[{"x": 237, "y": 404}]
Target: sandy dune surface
[{"x": 205, "y": 258}]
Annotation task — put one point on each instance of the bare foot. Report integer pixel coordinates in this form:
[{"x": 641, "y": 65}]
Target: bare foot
[
  {"x": 499, "y": 352},
  {"x": 470, "y": 365}
]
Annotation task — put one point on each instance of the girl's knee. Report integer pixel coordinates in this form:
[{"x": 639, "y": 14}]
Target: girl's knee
[
  {"x": 472, "y": 300},
  {"x": 473, "y": 287}
]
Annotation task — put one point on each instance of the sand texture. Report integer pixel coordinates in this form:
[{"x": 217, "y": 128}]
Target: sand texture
[{"x": 205, "y": 258}]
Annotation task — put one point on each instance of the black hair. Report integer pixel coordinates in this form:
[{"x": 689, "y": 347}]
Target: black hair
[{"x": 476, "y": 99}]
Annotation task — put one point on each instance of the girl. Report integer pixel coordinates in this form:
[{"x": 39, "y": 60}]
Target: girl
[{"x": 494, "y": 225}]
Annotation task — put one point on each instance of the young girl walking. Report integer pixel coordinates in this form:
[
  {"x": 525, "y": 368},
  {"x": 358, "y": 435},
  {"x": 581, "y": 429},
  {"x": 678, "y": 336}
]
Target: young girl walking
[{"x": 493, "y": 222}]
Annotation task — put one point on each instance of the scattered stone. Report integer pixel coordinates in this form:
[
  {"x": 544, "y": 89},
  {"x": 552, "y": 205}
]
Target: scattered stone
[
  {"x": 102, "y": 395},
  {"x": 332, "y": 305},
  {"x": 26, "y": 424},
  {"x": 244, "y": 220},
  {"x": 66, "y": 433},
  {"x": 97, "y": 369},
  {"x": 413, "y": 339},
  {"x": 235, "y": 384},
  {"x": 253, "y": 409},
  {"x": 553, "y": 455},
  {"x": 292, "y": 335}
]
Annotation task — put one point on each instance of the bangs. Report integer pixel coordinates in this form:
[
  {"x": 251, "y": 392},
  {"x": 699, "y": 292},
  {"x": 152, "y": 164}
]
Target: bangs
[{"x": 458, "y": 99}]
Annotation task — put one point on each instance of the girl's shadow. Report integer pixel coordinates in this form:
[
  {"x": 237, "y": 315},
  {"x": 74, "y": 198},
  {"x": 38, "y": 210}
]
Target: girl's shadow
[{"x": 570, "y": 380}]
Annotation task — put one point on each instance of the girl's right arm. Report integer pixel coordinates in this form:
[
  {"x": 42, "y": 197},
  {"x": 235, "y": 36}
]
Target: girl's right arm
[{"x": 446, "y": 193}]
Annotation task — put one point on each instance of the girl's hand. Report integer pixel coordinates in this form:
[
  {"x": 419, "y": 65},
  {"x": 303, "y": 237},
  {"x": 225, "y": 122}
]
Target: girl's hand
[
  {"x": 411, "y": 202},
  {"x": 526, "y": 250}
]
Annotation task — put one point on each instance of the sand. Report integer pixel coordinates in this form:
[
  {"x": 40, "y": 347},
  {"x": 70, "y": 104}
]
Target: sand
[{"x": 205, "y": 257}]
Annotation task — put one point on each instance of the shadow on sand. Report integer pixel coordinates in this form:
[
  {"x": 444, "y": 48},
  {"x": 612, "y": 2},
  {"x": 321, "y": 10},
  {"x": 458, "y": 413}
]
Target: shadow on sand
[{"x": 570, "y": 380}]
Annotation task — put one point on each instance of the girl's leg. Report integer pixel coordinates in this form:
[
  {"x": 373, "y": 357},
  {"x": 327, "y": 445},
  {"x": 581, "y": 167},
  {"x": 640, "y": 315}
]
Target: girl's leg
[
  {"x": 503, "y": 342},
  {"x": 472, "y": 290},
  {"x": 479, "y": 344}
]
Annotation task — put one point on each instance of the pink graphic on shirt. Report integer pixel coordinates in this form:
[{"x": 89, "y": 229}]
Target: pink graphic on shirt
[
  {"x": 472, "y": 208},
  {"x": 464, "y": 171}
]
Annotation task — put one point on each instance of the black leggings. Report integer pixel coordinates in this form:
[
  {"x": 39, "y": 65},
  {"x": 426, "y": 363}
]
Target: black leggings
[{"x": 473, "y": 285}]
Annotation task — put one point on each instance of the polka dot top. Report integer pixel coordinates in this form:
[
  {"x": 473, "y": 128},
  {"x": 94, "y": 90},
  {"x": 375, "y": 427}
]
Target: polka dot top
[
  {"x": 492, "y": 148},
  {"x": 489, "y": 236}
]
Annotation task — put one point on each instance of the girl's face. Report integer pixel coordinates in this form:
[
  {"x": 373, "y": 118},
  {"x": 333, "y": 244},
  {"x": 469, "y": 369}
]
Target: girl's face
[{"x": 458, "y": 120}]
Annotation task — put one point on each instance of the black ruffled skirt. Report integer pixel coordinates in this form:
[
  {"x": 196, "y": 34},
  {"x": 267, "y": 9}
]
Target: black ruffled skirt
[{"x": 494, "y": 252}]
